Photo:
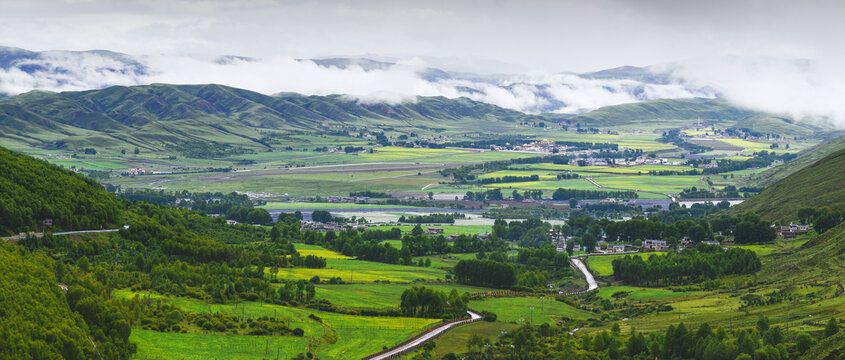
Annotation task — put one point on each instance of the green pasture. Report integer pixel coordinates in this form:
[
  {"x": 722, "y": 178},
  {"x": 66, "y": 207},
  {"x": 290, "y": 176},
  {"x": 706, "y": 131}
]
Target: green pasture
[
  {"x": 374, "y": 295},
  {"x": 518, "y": 309},
  {"x": 602, "y": 265},
  {"x": 661, "y": 184},
  {"x": 578, "y": 184},
  {"x": 638, "y": 293},
  {"x": 455, "y": 340},
  {"x": 339, "y": 336},
  {"x": 361, "y": 271},
  {"x": 154, "y": 345}
]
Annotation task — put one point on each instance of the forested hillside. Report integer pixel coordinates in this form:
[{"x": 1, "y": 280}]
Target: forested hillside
[
  {"x": 32, "y": 190},
  {"x": 821, "y": 184},
  {"x": 38, "y": 321}
]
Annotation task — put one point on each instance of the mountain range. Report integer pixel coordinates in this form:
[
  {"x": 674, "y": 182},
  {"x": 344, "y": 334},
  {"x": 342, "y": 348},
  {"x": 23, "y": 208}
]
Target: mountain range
[{"x": 23, "y": 70}]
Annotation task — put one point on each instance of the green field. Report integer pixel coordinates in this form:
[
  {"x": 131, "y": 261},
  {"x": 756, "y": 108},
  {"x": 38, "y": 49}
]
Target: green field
[
  {"x": 638, "y": 293},
  {"x": 154, "y": 345},
  {"x": 362, "y": 271},
  {"x": 661, "y": 184},
  {"x": 447, "y": 229},
  {"x": 601, "y": 265},
  {"x": 340, "y": 336},
  {"x": 518, "y": 309},
  {"x": 380, "y": 295}
]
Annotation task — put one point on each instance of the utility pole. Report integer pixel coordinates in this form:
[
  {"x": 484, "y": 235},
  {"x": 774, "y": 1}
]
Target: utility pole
[{"x": 532, "y": 315}]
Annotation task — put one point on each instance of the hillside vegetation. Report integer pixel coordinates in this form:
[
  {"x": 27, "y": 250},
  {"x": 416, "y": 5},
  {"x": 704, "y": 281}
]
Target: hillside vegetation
[
  {"x": 32, "y": 190},
  {"x": 818, "y": 185},
  {"x": 806, "y": 158},
  {"x": 153, "y": 116}
]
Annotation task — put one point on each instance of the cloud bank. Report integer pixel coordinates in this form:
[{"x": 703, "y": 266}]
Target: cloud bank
[
  {"x": 401, "y": 81},
  {"x": 804, "y": 89}
]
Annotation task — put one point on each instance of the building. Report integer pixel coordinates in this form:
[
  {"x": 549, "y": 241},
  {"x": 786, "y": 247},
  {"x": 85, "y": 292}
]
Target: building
[
  {"x": 615, "y": 248},
  {"x": 655, "y": 245},
  {"x": 792, "y": 230},
  {"x": 433, "y": 231}
]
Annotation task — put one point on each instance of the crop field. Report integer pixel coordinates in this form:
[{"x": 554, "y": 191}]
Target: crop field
[
  {"x": 544, "y": 175},
  {"x": 154, "y": 345},
  {"x": 752, "y": 146},
  {"x": 518, "y": 309},
  {"x": 362, "y": 271},
  {"x": 339, "y": 337},
  {"x": 661, "y": 184},
  {"x": 305, "y": 250},
  {"x": 638, "y": 293},
  {"x": 622, "y": 170},
  {"x": 579, "y": 184},
  {"x": 380, "y": 295},
  {"x": 717, "y": 145},
  {"x": 601, "y": 265}
]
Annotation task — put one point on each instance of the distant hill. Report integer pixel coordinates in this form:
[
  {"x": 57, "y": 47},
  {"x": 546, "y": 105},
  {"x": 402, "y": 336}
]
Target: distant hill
[
  {"x": 817, "y": 185},
  {"x": 691, "y": 110},
  {"x": 806, "y": 158},
  {"x": 32, "y": 190},
  {"x": 153, "y": 116}
]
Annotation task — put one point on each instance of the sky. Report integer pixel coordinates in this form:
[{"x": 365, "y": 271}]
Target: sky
[{"x": 745, "y": 49}]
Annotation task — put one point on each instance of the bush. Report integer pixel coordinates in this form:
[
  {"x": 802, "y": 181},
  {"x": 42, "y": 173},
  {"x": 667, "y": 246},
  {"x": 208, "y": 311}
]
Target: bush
[
  {"x": 298, "y": 332},
  {"x": 489, "y": 316}
]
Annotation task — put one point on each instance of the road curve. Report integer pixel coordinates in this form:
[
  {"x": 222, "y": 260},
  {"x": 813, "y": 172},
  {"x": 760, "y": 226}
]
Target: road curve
[
  {"x": 413, "y": 344},
  {"x": 591, "y": 281}
]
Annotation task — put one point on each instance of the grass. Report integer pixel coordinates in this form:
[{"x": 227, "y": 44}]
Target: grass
[
  {"x": 638, "y": 293},
  {"x": 305, "y": 250},
  {"x": 518, "y": 309},
  {"x": 338, "y": 337},
  {"x": 602, "y": 265},
  {"x": 362, "y": 271},
  {"x": 380, "y": 295},
  {"x": 154, "y": 345},
  {"x": 661, "y": 184},
  {"x": 455, "y": 340}
]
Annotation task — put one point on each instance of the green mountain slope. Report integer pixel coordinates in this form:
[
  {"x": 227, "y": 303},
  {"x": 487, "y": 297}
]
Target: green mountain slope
[
  {"x": 154, "y": 116},
  {"x": 32, "y": 190},
  {"x": 818, "y": 185},
  {"x": 806, "y": 158},
  {"x": 663, "y": 109}
]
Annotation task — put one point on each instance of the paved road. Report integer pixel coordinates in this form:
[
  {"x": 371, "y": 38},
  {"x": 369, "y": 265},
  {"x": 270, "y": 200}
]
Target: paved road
[
  {"x": 591, "y": 281},
  {"x": 18, "y": 237},
  {"x": 474, "y": 316}
]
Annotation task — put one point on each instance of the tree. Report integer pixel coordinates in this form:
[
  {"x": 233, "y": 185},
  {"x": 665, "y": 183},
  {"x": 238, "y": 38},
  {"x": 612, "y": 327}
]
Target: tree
[
  {"x": 137, "y": 151},
  {"x": 321, "y": 216},
  {"x": 832, "y": 328}
]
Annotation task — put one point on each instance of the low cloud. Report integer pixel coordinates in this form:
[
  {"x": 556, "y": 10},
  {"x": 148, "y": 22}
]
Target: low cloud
[
  {"x": 803, "y": 89},
  {"x": 403, "y": 81}
]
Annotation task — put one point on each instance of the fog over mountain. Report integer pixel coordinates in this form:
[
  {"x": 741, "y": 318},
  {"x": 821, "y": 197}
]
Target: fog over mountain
[{"x": 773, "y": 56}]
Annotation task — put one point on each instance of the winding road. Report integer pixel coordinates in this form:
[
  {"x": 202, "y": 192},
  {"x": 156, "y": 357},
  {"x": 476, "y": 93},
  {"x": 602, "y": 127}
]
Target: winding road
[
  {"x": 415, "y": 342},
  {"x": 591, "y": 281},
  {"x": 474, "y": 316}
]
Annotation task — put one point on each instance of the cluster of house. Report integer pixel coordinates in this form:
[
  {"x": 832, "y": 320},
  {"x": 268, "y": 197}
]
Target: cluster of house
[
  {"x": 792, "y": 230},
  {"x": 135, "y": 171},
  {"x": 318, "y": 226}
]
